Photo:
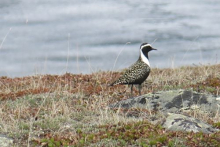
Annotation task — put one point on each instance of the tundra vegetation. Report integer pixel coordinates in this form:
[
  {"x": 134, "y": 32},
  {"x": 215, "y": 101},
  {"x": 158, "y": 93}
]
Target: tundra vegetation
[{"x": 72, "y": 110}]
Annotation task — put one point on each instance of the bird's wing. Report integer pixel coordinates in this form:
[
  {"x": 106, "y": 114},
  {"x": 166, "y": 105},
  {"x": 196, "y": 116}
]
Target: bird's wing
[{"x": 134, "y": 73}]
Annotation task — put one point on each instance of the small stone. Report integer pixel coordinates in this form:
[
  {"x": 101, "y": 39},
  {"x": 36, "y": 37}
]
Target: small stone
[
  {"x": 5, "y": 141},
  {"x": 179, "y": 122}
]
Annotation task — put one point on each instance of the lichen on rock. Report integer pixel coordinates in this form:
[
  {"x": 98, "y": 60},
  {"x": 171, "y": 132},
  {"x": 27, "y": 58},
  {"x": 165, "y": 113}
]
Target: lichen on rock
[{"x": 175, "y": 103}]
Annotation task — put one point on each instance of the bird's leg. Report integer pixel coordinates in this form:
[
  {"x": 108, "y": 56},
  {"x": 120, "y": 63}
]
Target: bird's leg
[
  {"x": 139, "y": 87},
  {"x": 131, "y": 90}
]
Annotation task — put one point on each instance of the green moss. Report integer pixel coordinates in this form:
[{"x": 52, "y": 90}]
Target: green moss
[
  {"x": 50, "y": 123},
  {"x": 152, "y": 142},
  {"x": 51, "y": 142},
  {"x": 217, "y": 125},
  {"x": 143, "y": 144},
  {"x": 24, "y": 126},
  {"x": 171, "y": 143}
]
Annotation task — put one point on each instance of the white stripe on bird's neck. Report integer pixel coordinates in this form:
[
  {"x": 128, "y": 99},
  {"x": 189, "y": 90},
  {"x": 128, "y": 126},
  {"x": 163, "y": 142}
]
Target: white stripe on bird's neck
[{"x": 144, "y": 58}]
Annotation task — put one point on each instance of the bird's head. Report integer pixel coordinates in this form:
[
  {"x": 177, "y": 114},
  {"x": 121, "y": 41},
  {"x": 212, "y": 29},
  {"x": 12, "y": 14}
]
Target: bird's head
[{"x": 146, "y": 47}]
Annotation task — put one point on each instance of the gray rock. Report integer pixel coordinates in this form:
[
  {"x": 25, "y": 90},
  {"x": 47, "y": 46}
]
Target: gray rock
[
  {"x": 178, "y": 122},
  {"x": 172, "y": 103},
  {"x": 5, "y": 141}
]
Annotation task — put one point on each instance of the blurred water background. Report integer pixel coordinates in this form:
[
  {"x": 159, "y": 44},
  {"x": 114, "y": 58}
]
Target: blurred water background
[{"x": 82, "y": 36}]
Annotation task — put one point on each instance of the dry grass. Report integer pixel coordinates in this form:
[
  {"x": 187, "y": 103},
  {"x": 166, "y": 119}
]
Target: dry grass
[
  {"x": 187, "y": 77},
  {"x": 52, "y": 110}
]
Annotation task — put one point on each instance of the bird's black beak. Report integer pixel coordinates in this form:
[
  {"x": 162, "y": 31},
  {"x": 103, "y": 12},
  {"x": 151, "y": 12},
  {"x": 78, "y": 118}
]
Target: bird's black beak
[{"x": 154, "y": 49}]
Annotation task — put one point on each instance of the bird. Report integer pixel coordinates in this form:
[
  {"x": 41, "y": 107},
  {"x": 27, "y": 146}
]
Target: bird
[{"x": 138, "y": 72}]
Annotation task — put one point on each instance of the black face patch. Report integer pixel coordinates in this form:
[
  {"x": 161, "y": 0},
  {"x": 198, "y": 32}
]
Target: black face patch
[{"x": 146, "y": 49}]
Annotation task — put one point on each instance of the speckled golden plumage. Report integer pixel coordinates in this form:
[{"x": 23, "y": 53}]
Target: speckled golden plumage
[
  {"x": 135, "y": 74},
  {"x": 139, "y": 71}
]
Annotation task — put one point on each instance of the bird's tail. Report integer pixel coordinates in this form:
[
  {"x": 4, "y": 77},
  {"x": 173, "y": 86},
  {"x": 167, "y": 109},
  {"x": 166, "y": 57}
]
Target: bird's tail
[
  {"x": 116, "y": 82},
  {"x": 112, "y": 84}
]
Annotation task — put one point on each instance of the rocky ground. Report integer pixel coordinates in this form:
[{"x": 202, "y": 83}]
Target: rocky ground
[
  {"x": 173, "y": 109},
  {"x": 180, "y": 107}
]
